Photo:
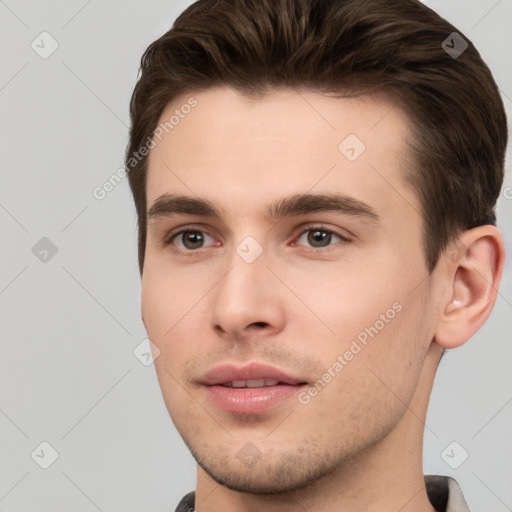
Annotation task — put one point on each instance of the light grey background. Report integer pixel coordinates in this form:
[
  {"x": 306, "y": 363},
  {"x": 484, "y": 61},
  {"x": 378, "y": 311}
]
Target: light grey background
[{"x": 69, "y": 326}]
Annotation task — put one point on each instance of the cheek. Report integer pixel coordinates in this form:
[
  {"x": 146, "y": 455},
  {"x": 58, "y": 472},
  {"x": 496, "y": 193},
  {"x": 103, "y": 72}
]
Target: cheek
[
  {"x": 167, "y": 296},
  {"x": 176, "y": 307},
  {"x": 396, "y": 341},
  {"x": 158, "y": 305},
  {"x": 166, "y": 308},
  {"x": 341, "y": 299},
  {"x": 166, "y": 305},
  {"x": 376, "y": 320}
]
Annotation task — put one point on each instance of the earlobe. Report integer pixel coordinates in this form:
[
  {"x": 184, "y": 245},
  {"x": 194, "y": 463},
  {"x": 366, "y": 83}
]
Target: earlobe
[{"x": 474, "y": 278}]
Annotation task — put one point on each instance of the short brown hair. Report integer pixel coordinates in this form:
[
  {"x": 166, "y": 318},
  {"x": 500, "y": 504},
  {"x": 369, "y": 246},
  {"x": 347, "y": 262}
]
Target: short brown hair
[{"x": 343, "y": 46}]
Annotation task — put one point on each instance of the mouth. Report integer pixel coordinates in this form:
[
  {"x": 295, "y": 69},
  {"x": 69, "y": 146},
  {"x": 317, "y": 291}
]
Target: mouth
[
  {"x": 251, "y": 389},
  {"x": 254, "y": 383}
]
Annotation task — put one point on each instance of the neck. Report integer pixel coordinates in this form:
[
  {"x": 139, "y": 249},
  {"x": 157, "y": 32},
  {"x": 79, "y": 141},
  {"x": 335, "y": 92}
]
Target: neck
[{"x": 385, "y": 477}]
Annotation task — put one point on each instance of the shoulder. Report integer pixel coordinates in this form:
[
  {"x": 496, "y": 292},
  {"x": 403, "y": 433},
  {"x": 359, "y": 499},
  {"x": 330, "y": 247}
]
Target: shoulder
[
  {"x": 445, "y": 494},
  {"x": 187, "y": 503}
]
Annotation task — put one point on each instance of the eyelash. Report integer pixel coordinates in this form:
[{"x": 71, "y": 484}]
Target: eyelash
[{"x": 168, "y": 242}]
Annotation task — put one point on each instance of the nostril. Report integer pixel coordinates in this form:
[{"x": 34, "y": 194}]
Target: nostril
[
  {"x": 259, "y": 324},
  {"x": 219, "y": 329}
]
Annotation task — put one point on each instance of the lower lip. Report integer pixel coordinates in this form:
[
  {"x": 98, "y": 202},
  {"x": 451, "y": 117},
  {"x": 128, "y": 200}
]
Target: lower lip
[{"x": 250, "y": 400}]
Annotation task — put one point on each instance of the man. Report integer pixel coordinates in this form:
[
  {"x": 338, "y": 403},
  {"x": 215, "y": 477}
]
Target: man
[{"x": 315, "y": 183}]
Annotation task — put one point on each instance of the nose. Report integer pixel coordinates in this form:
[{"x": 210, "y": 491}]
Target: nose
[{"x": 247, "y": 302}]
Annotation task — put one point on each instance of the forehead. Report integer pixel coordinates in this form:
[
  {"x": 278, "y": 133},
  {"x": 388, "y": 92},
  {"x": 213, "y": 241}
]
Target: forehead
[{"x": 228, "y": 146}]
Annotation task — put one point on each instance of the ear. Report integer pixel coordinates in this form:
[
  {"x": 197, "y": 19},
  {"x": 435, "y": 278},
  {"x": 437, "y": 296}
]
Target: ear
[{"x": 474, "y": 265}]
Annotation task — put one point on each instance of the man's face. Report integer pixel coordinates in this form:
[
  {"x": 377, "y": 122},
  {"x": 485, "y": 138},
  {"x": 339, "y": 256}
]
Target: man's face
[{"x": 307, "y": 259}]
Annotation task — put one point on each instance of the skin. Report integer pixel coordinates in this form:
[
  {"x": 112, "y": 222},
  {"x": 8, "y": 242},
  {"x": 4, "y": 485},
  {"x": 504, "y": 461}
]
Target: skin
[{"x": 357, "y": 444}]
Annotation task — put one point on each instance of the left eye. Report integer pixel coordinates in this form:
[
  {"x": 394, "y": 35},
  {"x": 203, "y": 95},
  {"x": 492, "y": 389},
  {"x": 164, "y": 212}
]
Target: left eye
[
  {"x": 192, "y": 239},
  {"x": 318, "y": 238}
]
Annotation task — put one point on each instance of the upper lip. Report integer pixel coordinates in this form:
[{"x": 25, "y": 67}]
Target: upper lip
[{"x": 253, "y": 371}]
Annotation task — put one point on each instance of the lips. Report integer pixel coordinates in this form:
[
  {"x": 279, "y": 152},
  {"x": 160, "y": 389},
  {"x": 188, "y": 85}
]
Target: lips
[
  {"x": 250, "y": 389},
  {"x": 227, "y": 373},
  {"x": 255, "y": 383}
]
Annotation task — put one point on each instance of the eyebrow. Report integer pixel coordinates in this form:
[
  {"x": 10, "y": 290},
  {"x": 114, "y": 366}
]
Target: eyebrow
[{"x": 300, "y": 204}]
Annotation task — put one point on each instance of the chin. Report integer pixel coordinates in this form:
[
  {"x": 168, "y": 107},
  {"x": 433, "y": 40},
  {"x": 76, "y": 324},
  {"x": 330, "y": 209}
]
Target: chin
[{"x": 271, "y": 476}]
